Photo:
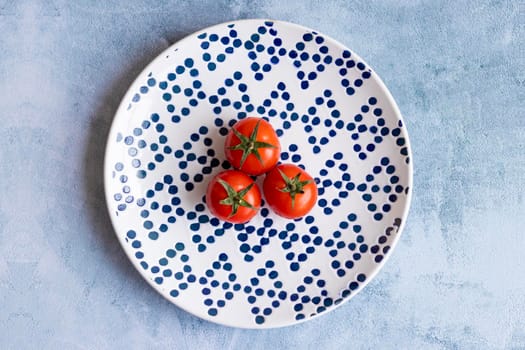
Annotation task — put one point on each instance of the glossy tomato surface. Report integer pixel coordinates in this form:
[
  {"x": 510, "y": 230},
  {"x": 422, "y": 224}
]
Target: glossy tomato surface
[
  {"x": 252, "y": 146},
  {"x": 290, "y": 191},
  {"x": 233, "y": 196}
]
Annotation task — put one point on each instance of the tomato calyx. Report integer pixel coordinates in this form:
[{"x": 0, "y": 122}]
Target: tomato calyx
[
  {"x": 250, "y": 145},
  {"x": 235, "y": 199},
  {"x": 293, "y": 185}
]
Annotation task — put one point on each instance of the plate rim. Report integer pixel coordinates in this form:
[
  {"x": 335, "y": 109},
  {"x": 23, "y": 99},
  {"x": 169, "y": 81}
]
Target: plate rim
[{"x": 122, "y": 108}]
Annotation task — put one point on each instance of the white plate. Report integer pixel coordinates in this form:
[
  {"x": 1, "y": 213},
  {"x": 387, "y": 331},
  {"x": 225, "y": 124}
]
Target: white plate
[{"x": 335, "y": 118}]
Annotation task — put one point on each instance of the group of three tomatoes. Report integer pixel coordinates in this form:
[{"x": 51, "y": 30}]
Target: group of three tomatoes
[{"x": 252, "y": 147}]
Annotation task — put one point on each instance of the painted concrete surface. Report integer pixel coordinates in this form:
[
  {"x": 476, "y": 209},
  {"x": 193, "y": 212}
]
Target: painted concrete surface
[{"x": 455, "y": 280}]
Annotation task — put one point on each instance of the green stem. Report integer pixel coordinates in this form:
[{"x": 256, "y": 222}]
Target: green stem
[
  {"x": 250, "y": 145},
  {"x": 235, "y": 199},
  {"x": 293, "y": 185}
]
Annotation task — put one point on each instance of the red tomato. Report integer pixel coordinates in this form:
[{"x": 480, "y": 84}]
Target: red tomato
[
  {"x": 290, "y": 191},
  {"x": 252, "y": 146},
  {"x": 233, "y": 196}
]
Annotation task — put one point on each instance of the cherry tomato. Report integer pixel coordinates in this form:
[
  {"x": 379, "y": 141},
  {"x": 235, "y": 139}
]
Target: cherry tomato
[
  {"x": 290, "y": 191},
  {"x": 233, "y": 196},
  {"x": 252, "y": 146}
]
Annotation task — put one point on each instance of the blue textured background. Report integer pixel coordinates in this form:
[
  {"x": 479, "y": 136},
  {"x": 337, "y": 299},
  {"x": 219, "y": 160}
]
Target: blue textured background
[{"x": 457, "y": 277}]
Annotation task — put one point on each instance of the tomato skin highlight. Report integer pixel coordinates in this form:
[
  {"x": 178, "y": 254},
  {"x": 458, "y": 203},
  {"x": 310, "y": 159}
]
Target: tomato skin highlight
[
  {"x": 238, "y": 181},
  {"x": 281, "y": 202},
  {"x": 265, "y": 134}
]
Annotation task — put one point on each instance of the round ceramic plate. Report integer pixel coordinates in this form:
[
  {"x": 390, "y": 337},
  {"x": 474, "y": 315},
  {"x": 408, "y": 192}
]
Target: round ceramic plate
[{"x": 334, "y": 117}]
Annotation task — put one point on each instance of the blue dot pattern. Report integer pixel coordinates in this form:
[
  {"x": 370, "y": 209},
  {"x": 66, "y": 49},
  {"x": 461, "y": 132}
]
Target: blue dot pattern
[{"x": 168, "y": 144}]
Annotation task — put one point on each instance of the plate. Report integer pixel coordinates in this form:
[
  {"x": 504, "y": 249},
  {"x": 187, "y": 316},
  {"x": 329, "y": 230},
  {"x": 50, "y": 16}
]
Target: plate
[{"x": 334, "y": 117}]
